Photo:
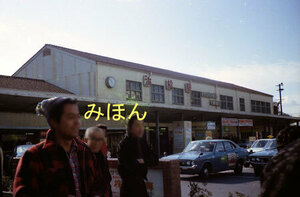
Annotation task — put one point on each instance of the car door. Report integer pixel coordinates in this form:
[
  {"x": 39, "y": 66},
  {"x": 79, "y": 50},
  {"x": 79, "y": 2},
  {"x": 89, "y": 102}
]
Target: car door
[
  {"x": 220, "y": 157},
  {"x": 231, "y": 154}
]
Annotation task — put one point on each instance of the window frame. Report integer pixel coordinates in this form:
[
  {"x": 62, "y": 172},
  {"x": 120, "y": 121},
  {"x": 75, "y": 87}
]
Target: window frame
[
  {"x": 157, "y": 93},
  {"x": 196, "y": 98},
  {"x": 177, "y": 96},
  {"x": 242, "y": 104},
  {"x": 129, "y": 90},
  {"x": 227, "y": 102},
  {"x": 260, "y": 107}
]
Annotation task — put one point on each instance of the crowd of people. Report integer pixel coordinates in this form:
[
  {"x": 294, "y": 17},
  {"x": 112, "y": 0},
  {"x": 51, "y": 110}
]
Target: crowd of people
[{"x": 65, "y": 165}]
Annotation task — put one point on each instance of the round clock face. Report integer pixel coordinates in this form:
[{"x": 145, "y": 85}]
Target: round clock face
[{"x": 110, "y": 82}]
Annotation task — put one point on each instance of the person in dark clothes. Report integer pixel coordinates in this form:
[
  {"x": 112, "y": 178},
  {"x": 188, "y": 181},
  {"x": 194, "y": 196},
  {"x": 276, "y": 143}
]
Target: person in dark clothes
[
  {"x": 134, "y": 157},
  {"x": 281, "y": 175},
  {"x": 95, "y": 139}
]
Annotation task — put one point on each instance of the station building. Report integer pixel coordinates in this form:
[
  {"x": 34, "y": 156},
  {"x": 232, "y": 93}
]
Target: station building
[{"x": 179, "y": 107}]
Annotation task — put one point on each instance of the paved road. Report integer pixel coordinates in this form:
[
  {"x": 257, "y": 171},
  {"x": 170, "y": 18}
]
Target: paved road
[{"x": 222, "y": 183}]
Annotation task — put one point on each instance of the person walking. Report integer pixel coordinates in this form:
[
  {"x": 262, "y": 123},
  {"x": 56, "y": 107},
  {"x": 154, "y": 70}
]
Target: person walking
[
  {"x": 134, "y": 157},
  {"x": 95, "y": 139},
  {"x": 62, "y": 165}
]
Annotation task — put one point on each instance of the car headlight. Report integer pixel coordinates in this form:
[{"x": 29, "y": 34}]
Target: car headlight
[
  {"x": 188, "y": 163},
  {"x": 193, "y": 162},
  {"x": 252, "y": 159},
  {"x": 257, "y": 159}
]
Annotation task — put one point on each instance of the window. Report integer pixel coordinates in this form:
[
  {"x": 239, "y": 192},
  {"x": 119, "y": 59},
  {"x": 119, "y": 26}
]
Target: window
[
  {"x": 220, "y": 147},
  {"x": 134, "y": 90},
  {"x": 157, "y": 94},
  {"x": 242, "y": 104},
  {"x": 177, "y": 96},
  {"x": 228, "y": 146},
  {"x": 226, "y": 102},
  {"x": 196, "y": 98},
  {"x": 260, "y": 107}
]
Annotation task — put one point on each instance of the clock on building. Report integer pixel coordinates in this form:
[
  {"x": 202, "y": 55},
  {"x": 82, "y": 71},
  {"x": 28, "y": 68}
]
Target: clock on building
[{"x": 110, "y": 82}]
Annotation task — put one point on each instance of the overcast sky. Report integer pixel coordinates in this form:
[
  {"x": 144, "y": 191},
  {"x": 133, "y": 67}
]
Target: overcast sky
[{"x": 253, "y": 43}]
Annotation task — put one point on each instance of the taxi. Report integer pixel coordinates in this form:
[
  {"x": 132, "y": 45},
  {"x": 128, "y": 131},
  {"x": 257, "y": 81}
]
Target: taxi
[{"x": 209, "y": 156}]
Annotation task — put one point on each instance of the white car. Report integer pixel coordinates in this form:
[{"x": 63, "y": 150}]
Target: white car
[{"x": 259, "y": 145}]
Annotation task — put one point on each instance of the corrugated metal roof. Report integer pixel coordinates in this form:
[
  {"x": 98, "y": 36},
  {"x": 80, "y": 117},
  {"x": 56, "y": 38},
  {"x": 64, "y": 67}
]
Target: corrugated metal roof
[{"x": 21, "y": 83}]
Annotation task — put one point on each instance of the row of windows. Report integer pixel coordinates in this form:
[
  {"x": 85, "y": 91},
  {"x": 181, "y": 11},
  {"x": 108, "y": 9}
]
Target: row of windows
[
  {"x": 260, "y": 107},
  {"x": 134, "y": 91}
]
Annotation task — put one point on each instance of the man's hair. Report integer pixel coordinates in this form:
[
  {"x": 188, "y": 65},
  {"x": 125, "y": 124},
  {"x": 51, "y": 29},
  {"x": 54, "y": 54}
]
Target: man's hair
[
  {"x": 287, "y": 135},
  {"x": 131, "y": 120},
  {"x": 89, "y": 131},
  {"x": 102, "y": 126},
  {"x": 53, "y": 108}
]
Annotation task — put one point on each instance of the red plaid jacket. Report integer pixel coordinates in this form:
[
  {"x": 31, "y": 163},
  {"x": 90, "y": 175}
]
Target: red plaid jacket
[{"x": 44, "y": 170}]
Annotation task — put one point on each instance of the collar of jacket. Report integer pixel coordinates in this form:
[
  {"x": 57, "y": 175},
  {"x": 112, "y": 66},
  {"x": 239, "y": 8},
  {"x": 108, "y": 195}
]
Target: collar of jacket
[{"x": 50, "y": 141}]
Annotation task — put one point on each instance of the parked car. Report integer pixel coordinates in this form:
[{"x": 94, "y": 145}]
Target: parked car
[
  {"x": 20, "y": 150},
  {"x": 259, "y": 159},
  {"x": 259, "y": 145},
  {"x": 205, "y": 156}
]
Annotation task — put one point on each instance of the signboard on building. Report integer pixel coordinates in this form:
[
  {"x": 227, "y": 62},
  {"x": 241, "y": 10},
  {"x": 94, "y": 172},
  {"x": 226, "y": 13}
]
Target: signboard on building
[
  {"x": 230, "y": 122},
  {"x": 245, "y": 123},
  {"x": 188, "y": 87},
  {"x": 209, "y": 95},
  {"x": 182, "y": 135},
  {"x": 214, "y": 103},
  {"x": 147, "y": 80},
  {"x": 169, "y": 84},
  {"x": 154, "y": 184},
  {"x": 210, "y": 125}
]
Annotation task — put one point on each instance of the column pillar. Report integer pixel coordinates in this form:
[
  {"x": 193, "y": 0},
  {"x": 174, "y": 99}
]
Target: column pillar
[{"x": 157, "y": 133}]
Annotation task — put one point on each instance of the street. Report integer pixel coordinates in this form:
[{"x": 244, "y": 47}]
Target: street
[{"x": 220, "y": 184}]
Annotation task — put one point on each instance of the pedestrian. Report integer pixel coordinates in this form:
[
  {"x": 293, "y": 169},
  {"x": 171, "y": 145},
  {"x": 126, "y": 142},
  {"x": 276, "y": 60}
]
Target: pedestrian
[
  {"x": 134, "y": 157},
  {"x": 103, "y": 127},
  {"x": 62, "y": 165},
  {"x": 95, "y": 139}
]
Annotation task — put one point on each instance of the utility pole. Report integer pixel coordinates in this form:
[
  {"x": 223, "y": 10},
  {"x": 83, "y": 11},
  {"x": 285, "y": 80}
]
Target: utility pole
[{"x": 280, "y": 99}]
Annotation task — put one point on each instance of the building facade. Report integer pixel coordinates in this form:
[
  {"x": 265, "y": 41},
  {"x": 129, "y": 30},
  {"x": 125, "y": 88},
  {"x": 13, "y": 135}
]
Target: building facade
[{"x": 213, "y": 108}]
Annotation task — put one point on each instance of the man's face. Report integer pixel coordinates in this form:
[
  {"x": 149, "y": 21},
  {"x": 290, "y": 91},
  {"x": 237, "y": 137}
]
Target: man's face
[
  {"x": 96, "y": 140},
  {"x": 137, "y": 128},
  {"x": 69, "y": 124}
]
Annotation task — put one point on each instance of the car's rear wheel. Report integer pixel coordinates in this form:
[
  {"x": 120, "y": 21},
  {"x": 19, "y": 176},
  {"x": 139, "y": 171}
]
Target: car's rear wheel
[
  {"x": 238, "y": 168},
  {"x": 205, "y": 171}
]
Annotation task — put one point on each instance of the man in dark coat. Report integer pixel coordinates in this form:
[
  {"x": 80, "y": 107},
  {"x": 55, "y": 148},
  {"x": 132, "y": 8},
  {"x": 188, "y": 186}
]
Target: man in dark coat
[
  {"x": 62, "y": 165},
  {"x": 134, "y": 157},
  {"x": 280, "y": 176},
  {"x": 95, "y": 139}
]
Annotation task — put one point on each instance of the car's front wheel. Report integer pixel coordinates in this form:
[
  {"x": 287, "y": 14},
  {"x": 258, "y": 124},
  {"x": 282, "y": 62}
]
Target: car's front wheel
[
  {"x": 238, "y": 168},
  {"x": 205, "y": 171}
]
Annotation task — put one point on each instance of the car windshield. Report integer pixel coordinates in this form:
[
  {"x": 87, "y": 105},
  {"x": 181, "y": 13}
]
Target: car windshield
[
  {"x": 21, "y": 149},
  {"x": 271, "y": 144},
  {"x": 259, "y": 144},
  {"x": 200, "y": 146}
]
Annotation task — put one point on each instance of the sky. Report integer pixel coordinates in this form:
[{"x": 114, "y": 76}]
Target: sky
[{"x": 252, "y": 43}]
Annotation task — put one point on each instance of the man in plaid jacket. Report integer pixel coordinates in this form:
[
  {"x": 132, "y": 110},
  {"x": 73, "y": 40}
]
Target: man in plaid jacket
[{"x": 62, "y": 165}]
